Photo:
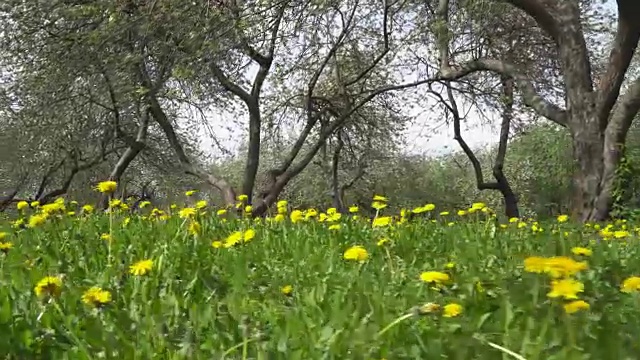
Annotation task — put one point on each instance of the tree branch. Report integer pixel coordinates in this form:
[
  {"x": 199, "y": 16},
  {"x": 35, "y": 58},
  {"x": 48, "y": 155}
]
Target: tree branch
[{"x": 622, "y": 50}]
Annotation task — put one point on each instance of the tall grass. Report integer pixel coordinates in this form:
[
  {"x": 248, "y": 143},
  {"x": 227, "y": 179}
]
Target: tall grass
[{"x": 201, "y": 302}]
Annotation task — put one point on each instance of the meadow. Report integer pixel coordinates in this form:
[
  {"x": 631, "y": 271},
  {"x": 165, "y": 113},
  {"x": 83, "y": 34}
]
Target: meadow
[{"x": 195, "y": 282}]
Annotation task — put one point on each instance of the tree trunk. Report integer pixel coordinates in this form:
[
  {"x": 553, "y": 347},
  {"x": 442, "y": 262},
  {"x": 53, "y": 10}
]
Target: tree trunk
[{"x": 598, "y": 155}]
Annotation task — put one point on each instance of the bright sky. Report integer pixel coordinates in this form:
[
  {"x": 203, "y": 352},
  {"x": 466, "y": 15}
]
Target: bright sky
[{"x": 422, "y": 137}]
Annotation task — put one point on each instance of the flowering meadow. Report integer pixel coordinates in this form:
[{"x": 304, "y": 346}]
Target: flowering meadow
[{"x": 195, "y": 282}]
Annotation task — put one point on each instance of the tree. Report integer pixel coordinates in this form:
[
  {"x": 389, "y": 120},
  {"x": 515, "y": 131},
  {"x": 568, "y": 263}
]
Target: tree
[{"x": 595, "y": 114}]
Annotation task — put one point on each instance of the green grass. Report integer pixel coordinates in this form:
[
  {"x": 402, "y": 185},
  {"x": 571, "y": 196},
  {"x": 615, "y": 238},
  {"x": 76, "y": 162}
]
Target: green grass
[{"x": 204, "y": 303}]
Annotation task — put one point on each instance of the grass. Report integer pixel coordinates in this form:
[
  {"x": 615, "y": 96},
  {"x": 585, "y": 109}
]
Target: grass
[{"x": 201, "y": 302}]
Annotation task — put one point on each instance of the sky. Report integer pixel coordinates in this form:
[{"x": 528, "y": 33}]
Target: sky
[{"x": 421, "y": 137}]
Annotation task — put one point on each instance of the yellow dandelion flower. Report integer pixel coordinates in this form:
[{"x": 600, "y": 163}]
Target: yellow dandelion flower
[
  {"x": 383, "y": 242},
  {"x": 279, "y": 218},
  {"x": 580, "y": 251},
  {"x": 242, "y": 198},
  {"x": 478, "y": 206},
  {"x": 563, "y": 218},
  {"x": 249, "y": 235},
  {"x": 444, "y": 213},
  {"x": 286, "y": 290},
  {"x": 35, "y": 204},
  {"x": 356, "y": 253},
  {"x": 452, "y": 310},
  {"x": 37, "y": 220},
  {"x": 5, "y": 247},
  {"x": 381, "y": 221},
  {"x": 106, "y": 237},
  {"x": 575, "y": 306},
  {"x": 49, "y": 286},
  {"x": 22, "y": 205},
  {"x": 620, "y": 234},
  {"x": 566, "y": 288},
  {"x": 233, "y": 239},
  {"x": 141, "y": 267},
  {"x": 248, "y": 209},
  {"x": 462, "y": 212},
  {"x": 217, "y": 244},
  {"x": 380, "y": 198},
  {"x": 96, "y": 297},
  {"x": 296, "y": 215},
  {"x": 335, "y": 227},
  {"x": 630, "y": 284},
  {"x": 378, "y": 205},
  {"x": 201, "y": 204},
  {"x": 434, "y": 277},
  {"x": 353, "y": 209},
  {"x": 190, "y": 192},
  {"x": 187, "y": 212},
  {"x": 107, "y": 187},
  {"x": 221, "y": 212}
]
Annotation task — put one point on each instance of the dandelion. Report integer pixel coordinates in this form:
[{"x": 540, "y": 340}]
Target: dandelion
[
  {"x": 356, "y": 253},
  {"x": 248, "y": 209},
  {"x": 566, "y": 288},
  {"x": 429, "y": 207},
  {"x": 96, "y": 297},
  {"x": 452, "y": 310},
  {"x": 563, "y": 218},
  {"x": 37, "y": 220},
  {"x": 444, "y": 213},
  {"x": 434, "y": 277},
  {"x": 380, "y": 198},
  {"x": 249, "y": 235},
  {"x": 630, "y": 284},
  {"x": 221, "y": 212},
  {"x": 334, "y": 227},
  {"x": 141, "y": 267},
  {"x": 576, "y": 306},
  {"x": 378, "y": 205},
  {"x": 381, "y": 221},
  {"x": 217, "y": 244},
  {"x": 478, "y": 206},
  {"x": 3, "y": 235},
  {"x": 242, "y": 198},
  {"x": 5, "y": 247},
  {"x": 187, "y": 212},
  {"x": 106, "y": 237},
  {"x": 49, "y": 286},
  {"x": 190, "y": 192},
  {"x": 462, "y": 213},
  {"x": 580, "y": 251},
  {"x": 286, "y": 290},
  {"x": 620, "y": 234},
  {"x": 233, "y": 239},
  {"x": 296, "y": 215},
  {"x": 353, "y": 209},
  {"x": 34, "y": 204},
  {"x": 22, "y": 205},
  {"x": 383, "y": 242},
  {"x": 201, "y": 204},
  {"x": 144, "y": 204},
  {"x": 107, "y": 187}
]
